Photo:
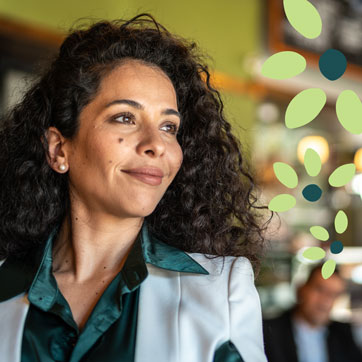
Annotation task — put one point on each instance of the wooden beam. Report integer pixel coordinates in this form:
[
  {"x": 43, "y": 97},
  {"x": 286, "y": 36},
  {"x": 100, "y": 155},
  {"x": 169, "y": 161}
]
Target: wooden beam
[{"x": 33, "y": 33}]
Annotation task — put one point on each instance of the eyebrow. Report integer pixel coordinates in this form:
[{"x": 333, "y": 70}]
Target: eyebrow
[{"x": 134, "y": 104}]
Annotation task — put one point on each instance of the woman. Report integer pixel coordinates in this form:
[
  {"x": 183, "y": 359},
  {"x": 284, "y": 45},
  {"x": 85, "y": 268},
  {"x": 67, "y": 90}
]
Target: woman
[{"x": 120, "y": 178}]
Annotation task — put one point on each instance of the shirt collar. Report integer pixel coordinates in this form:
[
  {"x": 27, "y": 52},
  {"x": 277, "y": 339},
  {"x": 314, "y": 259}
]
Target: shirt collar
[
  {"x": 303, "y": 327},
  {"x": 18, "y": 274},
  {"x": 166, "y": 256}
]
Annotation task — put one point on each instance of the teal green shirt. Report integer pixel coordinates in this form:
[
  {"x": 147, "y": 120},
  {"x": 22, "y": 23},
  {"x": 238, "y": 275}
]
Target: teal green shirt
[{"x": 50, "y": 332}]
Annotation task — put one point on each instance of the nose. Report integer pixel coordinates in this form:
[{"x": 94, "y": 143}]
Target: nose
[
  {"x": 326, "y": 301},
  {"x": 151, "y": 142}
]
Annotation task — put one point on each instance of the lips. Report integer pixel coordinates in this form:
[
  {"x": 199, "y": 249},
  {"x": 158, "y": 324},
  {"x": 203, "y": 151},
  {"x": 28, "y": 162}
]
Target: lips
[
  {"x": 151, "y": 171},
  {"x": 149, "y": 175}
]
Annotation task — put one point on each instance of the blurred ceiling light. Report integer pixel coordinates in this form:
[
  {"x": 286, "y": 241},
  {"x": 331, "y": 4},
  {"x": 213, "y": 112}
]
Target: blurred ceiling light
[
  {"x": 268, "y": 112},
  {"x": 317, "y": 143},
  {"x": 350, "y": 255},
  {"x": 358, "y": 159},
  {"x": 357, "y": 274},
  {"x": 340, "y": 199},
  {"x": 356, "y": 184}
]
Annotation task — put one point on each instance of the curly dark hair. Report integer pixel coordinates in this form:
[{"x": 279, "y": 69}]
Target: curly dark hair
[{"x": 209, "y": 208}]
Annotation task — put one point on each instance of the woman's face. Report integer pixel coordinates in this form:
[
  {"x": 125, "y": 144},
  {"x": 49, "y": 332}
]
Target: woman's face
[{"x": 125, "y": 154}]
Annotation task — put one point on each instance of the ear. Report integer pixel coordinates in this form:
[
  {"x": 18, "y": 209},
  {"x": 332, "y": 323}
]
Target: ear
[{"x": 57, "y": 155}]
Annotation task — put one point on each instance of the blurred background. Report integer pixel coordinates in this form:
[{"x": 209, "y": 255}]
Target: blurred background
[{"x": 239, "y": 36}]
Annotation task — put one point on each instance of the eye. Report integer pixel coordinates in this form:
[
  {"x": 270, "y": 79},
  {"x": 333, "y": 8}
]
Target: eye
[
  {"x": 170, "y": 128},
  {"x": 125, "y": 117}
]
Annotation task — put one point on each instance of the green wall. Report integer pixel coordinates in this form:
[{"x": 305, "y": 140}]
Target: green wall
[{"x": 227, "y": 30}]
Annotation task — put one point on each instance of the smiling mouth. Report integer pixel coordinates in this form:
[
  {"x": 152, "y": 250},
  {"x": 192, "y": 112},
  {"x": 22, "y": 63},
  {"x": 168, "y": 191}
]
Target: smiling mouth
[{"x": 149, "y": 179}]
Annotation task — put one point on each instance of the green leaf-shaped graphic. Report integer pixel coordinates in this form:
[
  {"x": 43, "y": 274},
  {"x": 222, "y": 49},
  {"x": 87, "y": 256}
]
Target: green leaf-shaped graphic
[
  {"x": 341, "y": 222},
  {"x": 285, "y": 174},
  {"x": 342, "y": 175},
  {"x": 304, "y": 107},
  {"x": 314, "y": 253},
  {"x": 328, "y": 268},
  {"x": 349, "y": 111},
  {"x": 303, "y": 17},
  {"x": 312, "y": 162},
  {"x": 282, "y": 202},
  {"x": 283, "y": 65},
  {"x": 319, "y": 232}
]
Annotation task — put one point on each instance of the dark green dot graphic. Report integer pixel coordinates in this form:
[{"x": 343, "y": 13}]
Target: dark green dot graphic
[
  {"x": 312, "y": 192},
  {"x": 336, "y": 247},
  {"x": 332, "y": 64}
]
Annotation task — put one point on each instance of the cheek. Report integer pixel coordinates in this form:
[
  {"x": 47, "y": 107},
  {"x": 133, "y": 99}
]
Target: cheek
[
  {"x": 177, "y": 158},
  {"x": 95, "y": 162},
  {"x": 106, "y": 149},
  {"x": 315, "y": 300},
  {"x": 98, "y": 155}
]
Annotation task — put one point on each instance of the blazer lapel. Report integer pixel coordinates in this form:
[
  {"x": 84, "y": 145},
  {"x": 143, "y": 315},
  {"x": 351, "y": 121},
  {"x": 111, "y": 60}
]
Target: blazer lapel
[
  {"x": 181, "y": 309},
  {"x": 159, "y": 301},
  {"x": 12, "y": 316},
  {"x": 289, "y": 341}
]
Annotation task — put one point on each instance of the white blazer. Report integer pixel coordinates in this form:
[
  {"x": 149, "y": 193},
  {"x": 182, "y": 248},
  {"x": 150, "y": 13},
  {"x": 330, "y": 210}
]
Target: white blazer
[{"x": 182, "y": 317}]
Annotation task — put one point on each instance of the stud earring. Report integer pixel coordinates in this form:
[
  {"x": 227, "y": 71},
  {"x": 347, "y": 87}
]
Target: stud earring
[{"x": 62, "y": 167}]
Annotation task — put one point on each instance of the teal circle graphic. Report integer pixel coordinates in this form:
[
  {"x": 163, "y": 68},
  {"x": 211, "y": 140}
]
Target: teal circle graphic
[
  {"x": 332, "y": 64},
  {"x": 336, "y": 247},
  {"x": 312, "y": 192}
]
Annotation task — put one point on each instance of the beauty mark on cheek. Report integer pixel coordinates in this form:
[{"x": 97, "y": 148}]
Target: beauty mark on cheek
[{"x": 120, "y": 140}]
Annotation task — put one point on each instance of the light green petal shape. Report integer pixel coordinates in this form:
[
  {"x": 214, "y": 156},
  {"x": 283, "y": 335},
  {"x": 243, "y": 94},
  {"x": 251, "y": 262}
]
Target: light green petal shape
[
  {"x": 342, "y": 175},
  {"x": 314, "y": 253},
  {"x": 283, "y": 65},
  {"x": 312, "y": 162},
  {"x": 319, "y": 232},
  {"x": 282, "y": 202},
  {"x": 341, "y": 222},
  {"x": 304, "y": 107},
  {"x": 349, "y": 111},
  {"x": 328, "y": 268},
  {"x": 303, "y": 17},
  {"x": 285, "y": 174}
]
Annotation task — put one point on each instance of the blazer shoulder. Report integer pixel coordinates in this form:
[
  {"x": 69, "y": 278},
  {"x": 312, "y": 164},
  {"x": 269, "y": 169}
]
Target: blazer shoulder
[
  {"x": 223, "y": 266},
  {"x": 226, "y": 296},
  {"x": 340, "y": 328},
  {"x": 282, "y": 319}
]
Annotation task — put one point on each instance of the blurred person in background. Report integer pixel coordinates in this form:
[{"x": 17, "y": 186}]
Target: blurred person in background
[{"x": 306, "y": 333}]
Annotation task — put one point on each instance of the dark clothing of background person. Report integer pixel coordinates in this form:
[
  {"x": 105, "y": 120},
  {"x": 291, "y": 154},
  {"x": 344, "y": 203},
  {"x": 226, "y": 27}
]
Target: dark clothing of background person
[{"x": 280, "y": 343}]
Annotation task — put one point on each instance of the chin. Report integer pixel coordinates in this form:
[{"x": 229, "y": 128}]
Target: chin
[
  {"x": 144, "y": 211},
  {"x": 319, "y": 322}
]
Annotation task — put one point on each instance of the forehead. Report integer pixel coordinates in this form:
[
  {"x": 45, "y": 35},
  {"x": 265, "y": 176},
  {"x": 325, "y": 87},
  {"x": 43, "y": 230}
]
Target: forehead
[
  {"x": 334, "y": 283},
  {"x": 137, "y": 80}
]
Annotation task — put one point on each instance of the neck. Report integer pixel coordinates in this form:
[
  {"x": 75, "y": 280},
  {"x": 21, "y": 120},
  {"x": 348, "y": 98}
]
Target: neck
[
  {"x": 92, "y": 245},
  {"x": 299, "y": 315}
]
